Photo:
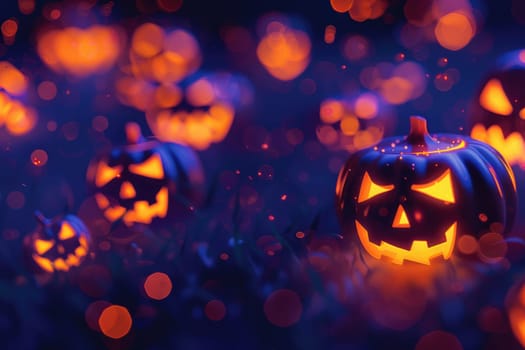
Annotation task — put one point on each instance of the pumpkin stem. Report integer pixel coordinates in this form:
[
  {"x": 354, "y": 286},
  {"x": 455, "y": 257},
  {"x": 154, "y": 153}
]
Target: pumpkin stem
[
  {"x": 418, "y": 134},
  {"x": 133, "y": 133},
  {"x": 42, "y": 220}
]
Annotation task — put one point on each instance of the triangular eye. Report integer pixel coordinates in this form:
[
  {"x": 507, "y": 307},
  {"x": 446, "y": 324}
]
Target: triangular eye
[
  {"x": 494, "y": 99},
  {"x": 66, "y": 232},
  {"x": 441, "y": 188},
  {"x": 370, "y": 189},
  {"x": 42, "y": 246},
  {"x": 105, "y": 174},
  {"x": 151, "y": 167}
]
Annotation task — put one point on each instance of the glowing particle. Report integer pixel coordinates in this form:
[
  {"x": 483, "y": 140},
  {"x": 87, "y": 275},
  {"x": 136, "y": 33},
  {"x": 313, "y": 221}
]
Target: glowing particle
[
  {"x": 158, "y": 286},
  {"x": 39, "y": 157},
  {"x": 115, "y": 321}
]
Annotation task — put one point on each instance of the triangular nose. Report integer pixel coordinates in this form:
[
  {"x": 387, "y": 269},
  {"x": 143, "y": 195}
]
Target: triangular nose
[
  {"x": 401, "y": 218},
  {"x": 127, "y": 191}
]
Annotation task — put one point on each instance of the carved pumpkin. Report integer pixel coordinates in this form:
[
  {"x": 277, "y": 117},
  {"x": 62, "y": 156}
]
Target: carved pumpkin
[
  {"x": 146, "y": 180},
  {"x": 410, "y": 198},
  {"x": 59, "y": 244},
  {"x": 498, "y": 113}
]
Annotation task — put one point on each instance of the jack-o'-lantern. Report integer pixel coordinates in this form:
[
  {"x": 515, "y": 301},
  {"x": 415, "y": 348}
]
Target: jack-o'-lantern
[
  {"x": 145, "y": 180},
  {"x": 409, "y": 199},
  {"x": 498, "y": 113},
  {"x": 58, "y": 244}
]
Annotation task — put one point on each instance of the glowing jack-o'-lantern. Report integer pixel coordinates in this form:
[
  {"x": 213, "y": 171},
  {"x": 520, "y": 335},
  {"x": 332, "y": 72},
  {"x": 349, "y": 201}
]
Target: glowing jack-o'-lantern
[
  {"x": 409, "y": 199},
  {"x": 59, "y": 244},
  {"x": 146, "y": 180},
  {"x": 498, "y": 113}
]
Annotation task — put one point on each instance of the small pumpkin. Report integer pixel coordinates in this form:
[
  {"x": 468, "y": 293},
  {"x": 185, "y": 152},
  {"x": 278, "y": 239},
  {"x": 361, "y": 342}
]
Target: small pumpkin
[
  {"x": 409, "y": 199},
  {"x": 58, "y": 244},
  {"x": 145, "y": 181},
  {"x": 498, "y": 113}
]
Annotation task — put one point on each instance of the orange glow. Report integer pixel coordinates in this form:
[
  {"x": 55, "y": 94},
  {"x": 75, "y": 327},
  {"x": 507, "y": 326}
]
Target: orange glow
[
  {"x": 349, "y": 125},
  {"x": 329, "y": 34},
  {"x": 42, "y": 246},
  {"x": 66, "y": 232},
  {"x": 198, "y": 129},
  {"x": 148, "y": 40},
  {"x": 370, "y": 189},
  {"x": 115, "y": 321},
  {"x": 401, "y": 218},
  {"x": 163, "y": 57},
  {"x": 331, "y": 111},
  {"x": 127, "y": 190},
  {"x": 80, "y": 52},
  {"x": 341, "y": 6},
  {"x": 440, "y": 188},
  {"x": 511, "y": 147},
  {"x": 12, "y": 80},
  {"x": 419, "y": 252},
  {"x": 9, "y": 28},
  {"x": 494, "y": 99},
  {"x": 200, "y": 93},
  {"x": 44, "y": 263},
  {"x": 19, "y": 119},
  {"x": 151, "y": 167},
  {"x": 143, "y": 212},
  {"x": 467, "y": 244},
  {"x": 158, "y": 286},
  {"x": 366, "y": 106},
  {"x": 522, "y": 113},
  {"x": 454, "y": 30},
  {"x": 39, "y": 157},
  {"x": 106, "y": 173},
  {"x": 285, "y": 52}
]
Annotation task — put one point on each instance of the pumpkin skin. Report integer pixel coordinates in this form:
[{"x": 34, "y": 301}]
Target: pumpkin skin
[
  {"x": 145, "y": 181},
  {"x": 410, "y": 199},
  {"x": 58, "y": 244},
  {"x": 497, "y": 114}
]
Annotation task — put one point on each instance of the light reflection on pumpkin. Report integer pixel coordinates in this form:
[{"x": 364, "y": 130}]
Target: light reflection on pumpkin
[{"x": 80, "y": 52}]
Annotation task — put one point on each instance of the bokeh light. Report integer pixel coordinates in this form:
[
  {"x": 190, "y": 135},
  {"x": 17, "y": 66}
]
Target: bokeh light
[
  {"x": 115, "y": 321},
  {"x": 158, "y": 286},
  {"x": 80, "y": 52},
  {"x": 283, "y": 308},
  {"x": 283, "y": 51}
]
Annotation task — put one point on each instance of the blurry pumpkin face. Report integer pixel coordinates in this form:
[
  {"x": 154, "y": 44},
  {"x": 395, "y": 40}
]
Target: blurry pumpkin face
[
  {"x": 59, "y": 245},
  {"x": 132, "y": 185},
  {"x": 145, "y": 180},
  {"x": 498, "y": 113}
]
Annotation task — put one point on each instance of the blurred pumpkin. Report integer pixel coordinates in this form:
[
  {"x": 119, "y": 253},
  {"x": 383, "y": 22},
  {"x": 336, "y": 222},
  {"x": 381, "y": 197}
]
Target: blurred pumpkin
[
  {"x": 58, "y": 244},
  {"x": 409, "y": 199},
  {"x": 17, "y": 117},
  {"x": 158, "y": 59},
  {"x": 80, "y": 51},
  {"x": 205, "y": 113},
  {"x": 146, "y": 180},
  {"x": 498, "y": 112}
]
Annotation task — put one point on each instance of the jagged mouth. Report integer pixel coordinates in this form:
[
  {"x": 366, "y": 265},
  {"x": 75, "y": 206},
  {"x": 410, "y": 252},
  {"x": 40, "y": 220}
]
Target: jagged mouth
[
  {"x": 420, "y": 252},
  {"x": 142, "y": 212}
]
